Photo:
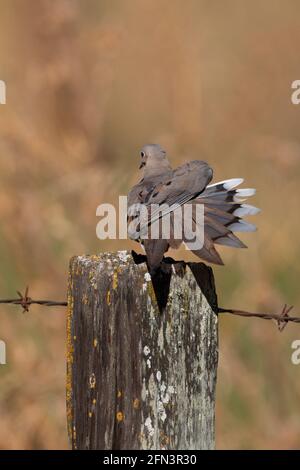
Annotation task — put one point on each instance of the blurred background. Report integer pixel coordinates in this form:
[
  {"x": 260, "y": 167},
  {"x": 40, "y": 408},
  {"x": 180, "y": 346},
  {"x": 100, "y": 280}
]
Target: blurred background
[{"x": 88, "y": 83}]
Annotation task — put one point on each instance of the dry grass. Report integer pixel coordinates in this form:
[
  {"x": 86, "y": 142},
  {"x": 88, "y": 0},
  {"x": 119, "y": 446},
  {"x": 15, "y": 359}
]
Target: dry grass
[{"x": 87, "y": 84}]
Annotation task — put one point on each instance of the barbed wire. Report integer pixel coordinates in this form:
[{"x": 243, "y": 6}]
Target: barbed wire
[
  {"x": 282, "y": 318},
  {"x": 25, "y": 301}
]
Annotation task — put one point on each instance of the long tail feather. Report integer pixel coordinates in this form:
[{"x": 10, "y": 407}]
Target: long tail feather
[{"x": 224, "y": 209}]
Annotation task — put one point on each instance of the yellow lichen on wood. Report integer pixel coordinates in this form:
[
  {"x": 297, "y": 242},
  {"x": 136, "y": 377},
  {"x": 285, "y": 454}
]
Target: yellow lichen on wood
[
  {"x": 164, "y": 439},
  {"x": 85, "y": 299},
  {"x": 92, "y": 380},
  {"x": 115, "y": 279},
  {"x": 108, "y": 410},
  {"x": 95, "y": 258},
  {"x": 108, "y": 297},
  {"x": 151, "y": 294},
  {"x": 136, "y": 403},
  {"x": 74, "y": 434},
  {"x": 70, "y": 351}
]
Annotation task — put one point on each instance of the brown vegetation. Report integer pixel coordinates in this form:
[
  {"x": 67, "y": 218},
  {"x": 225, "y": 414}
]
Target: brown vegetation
[{"x": 88, "y": 83}]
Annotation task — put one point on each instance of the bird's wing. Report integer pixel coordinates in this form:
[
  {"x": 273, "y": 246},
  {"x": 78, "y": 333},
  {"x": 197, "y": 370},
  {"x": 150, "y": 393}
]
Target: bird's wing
[{"x": 183, "y": 184}]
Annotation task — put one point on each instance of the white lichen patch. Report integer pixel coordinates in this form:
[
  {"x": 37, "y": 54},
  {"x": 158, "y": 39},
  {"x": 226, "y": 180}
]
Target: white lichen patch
[
  {"x": 166, "y": 398},
  {"x": 158, "y": 375},
  {"x": 148, "y": 426},
  {"x": 149, "y": 363},
  {"x": 146, "y": 350},
  {"x": 161, "y": 411},
  {"x": 84, "y": 260},
  {"x": 160, "y": 339},
  {"x": 147, "y": 277},
  {"x": 123, "y": 256},
  {"x": 163, "y": 394},
  {"x": 92, "y": 380},
  {"x": 145, "y": 392}
]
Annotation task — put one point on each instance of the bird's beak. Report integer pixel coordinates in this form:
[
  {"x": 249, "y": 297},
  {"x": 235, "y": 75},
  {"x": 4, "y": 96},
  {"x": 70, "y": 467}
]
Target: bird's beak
[{"x": 143, "y": 163}]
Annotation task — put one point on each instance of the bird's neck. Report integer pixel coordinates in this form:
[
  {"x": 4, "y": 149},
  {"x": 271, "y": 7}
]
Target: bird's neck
[{"x": 151, "y": 172}]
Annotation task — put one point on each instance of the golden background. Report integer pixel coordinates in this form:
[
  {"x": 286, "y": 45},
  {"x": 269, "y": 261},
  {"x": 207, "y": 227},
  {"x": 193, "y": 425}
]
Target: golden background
[{"x": 88, "y": 83}]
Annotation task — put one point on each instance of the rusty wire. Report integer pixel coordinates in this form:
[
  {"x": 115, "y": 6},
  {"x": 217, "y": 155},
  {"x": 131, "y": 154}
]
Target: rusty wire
[
  {"x": 281, "y": 319},
  {"x": 25, "y": 301}
]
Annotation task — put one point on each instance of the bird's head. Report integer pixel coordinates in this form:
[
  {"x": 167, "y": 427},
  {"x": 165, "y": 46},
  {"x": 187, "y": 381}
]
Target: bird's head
[{"x": 153, "y": 157}]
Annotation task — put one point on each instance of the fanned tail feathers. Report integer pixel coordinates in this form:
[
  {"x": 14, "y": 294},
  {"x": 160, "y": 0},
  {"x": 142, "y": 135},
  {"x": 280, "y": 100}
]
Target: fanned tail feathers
[{"x": 224, "y": 209}]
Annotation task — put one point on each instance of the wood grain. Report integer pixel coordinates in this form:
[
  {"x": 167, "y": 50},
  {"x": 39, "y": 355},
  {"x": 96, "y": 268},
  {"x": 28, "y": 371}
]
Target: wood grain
[{"x": 138, "y": 378}]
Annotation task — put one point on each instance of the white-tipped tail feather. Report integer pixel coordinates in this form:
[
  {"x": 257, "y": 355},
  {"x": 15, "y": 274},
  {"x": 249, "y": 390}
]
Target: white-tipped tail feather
[
  {"x": 246, "y": 209},
  {"x": 224, "y": 210},
  {"x": 227, "y": 184},
  {"x": 243, "y": 193},
  {"x": 242, "y": 226}
]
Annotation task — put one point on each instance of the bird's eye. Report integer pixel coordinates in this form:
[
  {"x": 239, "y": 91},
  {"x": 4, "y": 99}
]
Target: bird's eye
[{"x": 142, "y": 154}]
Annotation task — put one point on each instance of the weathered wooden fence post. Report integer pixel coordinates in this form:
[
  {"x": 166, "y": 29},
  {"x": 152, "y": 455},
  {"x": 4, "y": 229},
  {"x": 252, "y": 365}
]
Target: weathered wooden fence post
[{"x": 138, "y": 378}]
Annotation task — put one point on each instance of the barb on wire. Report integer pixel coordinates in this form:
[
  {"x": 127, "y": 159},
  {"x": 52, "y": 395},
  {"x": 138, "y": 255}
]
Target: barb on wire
[
  {"x": 282, "y": 318},
  {"x": 25, "y": 301}
]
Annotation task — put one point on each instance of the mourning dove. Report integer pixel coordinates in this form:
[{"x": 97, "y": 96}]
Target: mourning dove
[{"x": 188, "y": 184}]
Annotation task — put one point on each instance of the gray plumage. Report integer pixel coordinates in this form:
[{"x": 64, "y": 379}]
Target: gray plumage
[{"x": 188, "y": 184}]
